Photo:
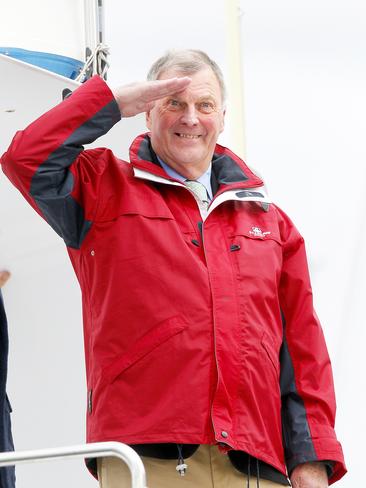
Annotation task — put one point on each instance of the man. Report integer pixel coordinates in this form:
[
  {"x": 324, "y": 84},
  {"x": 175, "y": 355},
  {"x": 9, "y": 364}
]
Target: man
[
  {"x": 7, "y": 474},
  {"x": 201, "y": 340}
]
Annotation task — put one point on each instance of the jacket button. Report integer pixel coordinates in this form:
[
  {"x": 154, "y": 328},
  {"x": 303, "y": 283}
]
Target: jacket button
[
  {"x": 92, "y": 252},
  {"x": 235, "y": 247},
  {"x": 224, "y": 434}
]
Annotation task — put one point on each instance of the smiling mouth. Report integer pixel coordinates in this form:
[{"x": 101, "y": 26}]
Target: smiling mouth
[{"x": 187, "y": 136}]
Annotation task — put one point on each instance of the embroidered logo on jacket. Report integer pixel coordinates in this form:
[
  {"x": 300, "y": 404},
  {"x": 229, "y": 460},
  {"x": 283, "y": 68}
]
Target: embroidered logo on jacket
[{"x": 257, "y": 232}]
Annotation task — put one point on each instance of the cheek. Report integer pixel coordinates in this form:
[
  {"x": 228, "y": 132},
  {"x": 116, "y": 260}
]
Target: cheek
[
  {"x": 165, "y": 121},
  {"x": 213, "y": 125},
  {"x": 214, "y": 129}
]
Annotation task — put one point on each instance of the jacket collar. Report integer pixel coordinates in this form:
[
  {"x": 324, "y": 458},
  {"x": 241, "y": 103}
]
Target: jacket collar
[
  {"x": 230, "y": 173},
  {"x": 229, "y": 170}
]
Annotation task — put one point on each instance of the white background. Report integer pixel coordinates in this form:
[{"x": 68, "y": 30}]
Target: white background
[{"x": 304, "y": 79}]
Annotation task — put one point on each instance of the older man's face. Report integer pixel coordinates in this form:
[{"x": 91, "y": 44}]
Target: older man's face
[{"x": 185, "y": 127}]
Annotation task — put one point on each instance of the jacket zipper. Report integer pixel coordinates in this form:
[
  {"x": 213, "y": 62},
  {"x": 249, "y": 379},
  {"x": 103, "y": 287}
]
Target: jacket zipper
[{"x": 214, "y": 341}]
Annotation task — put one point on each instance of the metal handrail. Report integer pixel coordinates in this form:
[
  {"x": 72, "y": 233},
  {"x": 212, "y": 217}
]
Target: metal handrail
[{"x": 96, "y": 450}]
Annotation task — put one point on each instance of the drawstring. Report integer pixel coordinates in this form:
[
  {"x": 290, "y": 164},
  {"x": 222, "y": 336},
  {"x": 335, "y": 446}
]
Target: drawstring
[
  {"x": 248, "y": 478},
  {"x": 181, "y": 466},
  {"x": 248, "y": 472}
]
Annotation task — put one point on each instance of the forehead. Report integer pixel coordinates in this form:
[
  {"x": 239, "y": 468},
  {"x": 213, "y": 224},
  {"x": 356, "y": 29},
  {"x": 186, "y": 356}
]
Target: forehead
[{"x": 204, "y": 82}]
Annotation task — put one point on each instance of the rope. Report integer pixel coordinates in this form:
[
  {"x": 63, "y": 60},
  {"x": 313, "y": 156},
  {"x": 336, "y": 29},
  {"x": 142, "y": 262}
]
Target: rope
[{"x": 96, "y": 64}]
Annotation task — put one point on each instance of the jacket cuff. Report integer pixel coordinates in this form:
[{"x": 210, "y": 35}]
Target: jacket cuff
[
  {"x": 329, "y": 466},
  {"x": 332, "y": 458}
]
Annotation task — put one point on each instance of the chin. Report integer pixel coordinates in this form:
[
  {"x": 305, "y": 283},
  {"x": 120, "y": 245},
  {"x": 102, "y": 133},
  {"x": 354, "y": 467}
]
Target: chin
[{"x": 187, "y": 157}]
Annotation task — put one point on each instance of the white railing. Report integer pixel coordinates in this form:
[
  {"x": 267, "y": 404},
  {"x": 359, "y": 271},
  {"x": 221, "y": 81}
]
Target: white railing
[{"x": 96, "y": 450}]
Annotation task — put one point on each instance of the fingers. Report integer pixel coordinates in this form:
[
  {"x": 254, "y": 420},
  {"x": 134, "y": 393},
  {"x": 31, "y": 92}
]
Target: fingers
[
  {"x": 135, "y": 98},
  {"x": 161, "y": 88},
  {"x": 4, "y": 276}
]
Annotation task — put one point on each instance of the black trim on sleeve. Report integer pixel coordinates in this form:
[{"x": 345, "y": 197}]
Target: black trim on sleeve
[
  {"x": 297, "y": 439},
  {"x": 52, "y": 184}
]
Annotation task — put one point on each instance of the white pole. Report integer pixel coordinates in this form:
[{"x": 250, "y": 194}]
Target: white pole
[
  {"x": 93, "y": 15},
  {"x": 235, "y": 76}
]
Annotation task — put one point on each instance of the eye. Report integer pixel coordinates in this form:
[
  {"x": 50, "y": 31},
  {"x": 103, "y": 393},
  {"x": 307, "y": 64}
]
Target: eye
[
  {"x": 173, "y": 104},
  {"x": 206, "y": 107}
]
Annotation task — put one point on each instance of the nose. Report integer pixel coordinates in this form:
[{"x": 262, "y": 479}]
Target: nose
[{"x": 189, "y": 116}]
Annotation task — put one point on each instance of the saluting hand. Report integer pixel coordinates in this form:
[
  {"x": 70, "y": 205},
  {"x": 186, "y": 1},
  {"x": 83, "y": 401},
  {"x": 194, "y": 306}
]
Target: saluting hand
[{"x": 139, "y": 97}]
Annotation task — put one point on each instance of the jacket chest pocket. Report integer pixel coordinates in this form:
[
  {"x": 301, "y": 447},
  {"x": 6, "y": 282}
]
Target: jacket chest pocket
[{"x": 257, "y": 257}]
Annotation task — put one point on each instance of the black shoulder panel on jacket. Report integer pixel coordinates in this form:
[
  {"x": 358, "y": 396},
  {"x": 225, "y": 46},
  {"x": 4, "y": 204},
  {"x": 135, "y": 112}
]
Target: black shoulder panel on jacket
[{"x": 53, "y": 184}]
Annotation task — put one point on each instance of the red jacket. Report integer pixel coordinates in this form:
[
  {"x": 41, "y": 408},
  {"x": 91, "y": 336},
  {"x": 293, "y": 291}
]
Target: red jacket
[{"x": 194, "y": 333}]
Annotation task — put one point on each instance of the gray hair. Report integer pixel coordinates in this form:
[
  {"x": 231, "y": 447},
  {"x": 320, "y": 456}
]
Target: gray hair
[{"x": 187, "y": 61}]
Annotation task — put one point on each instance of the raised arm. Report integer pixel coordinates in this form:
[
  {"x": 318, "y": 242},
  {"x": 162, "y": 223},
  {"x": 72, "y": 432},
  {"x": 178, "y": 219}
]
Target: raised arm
[{"x": 47, "y": 161}]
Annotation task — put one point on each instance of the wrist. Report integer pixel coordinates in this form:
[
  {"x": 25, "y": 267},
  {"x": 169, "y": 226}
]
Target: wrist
[{"x": 310, "y": 475}]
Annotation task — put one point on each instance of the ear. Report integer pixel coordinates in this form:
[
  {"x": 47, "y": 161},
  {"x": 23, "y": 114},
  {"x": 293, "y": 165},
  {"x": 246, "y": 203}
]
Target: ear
[
  {"x": 223, "y": 121},
  {"x": 148, "y": 119}
]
